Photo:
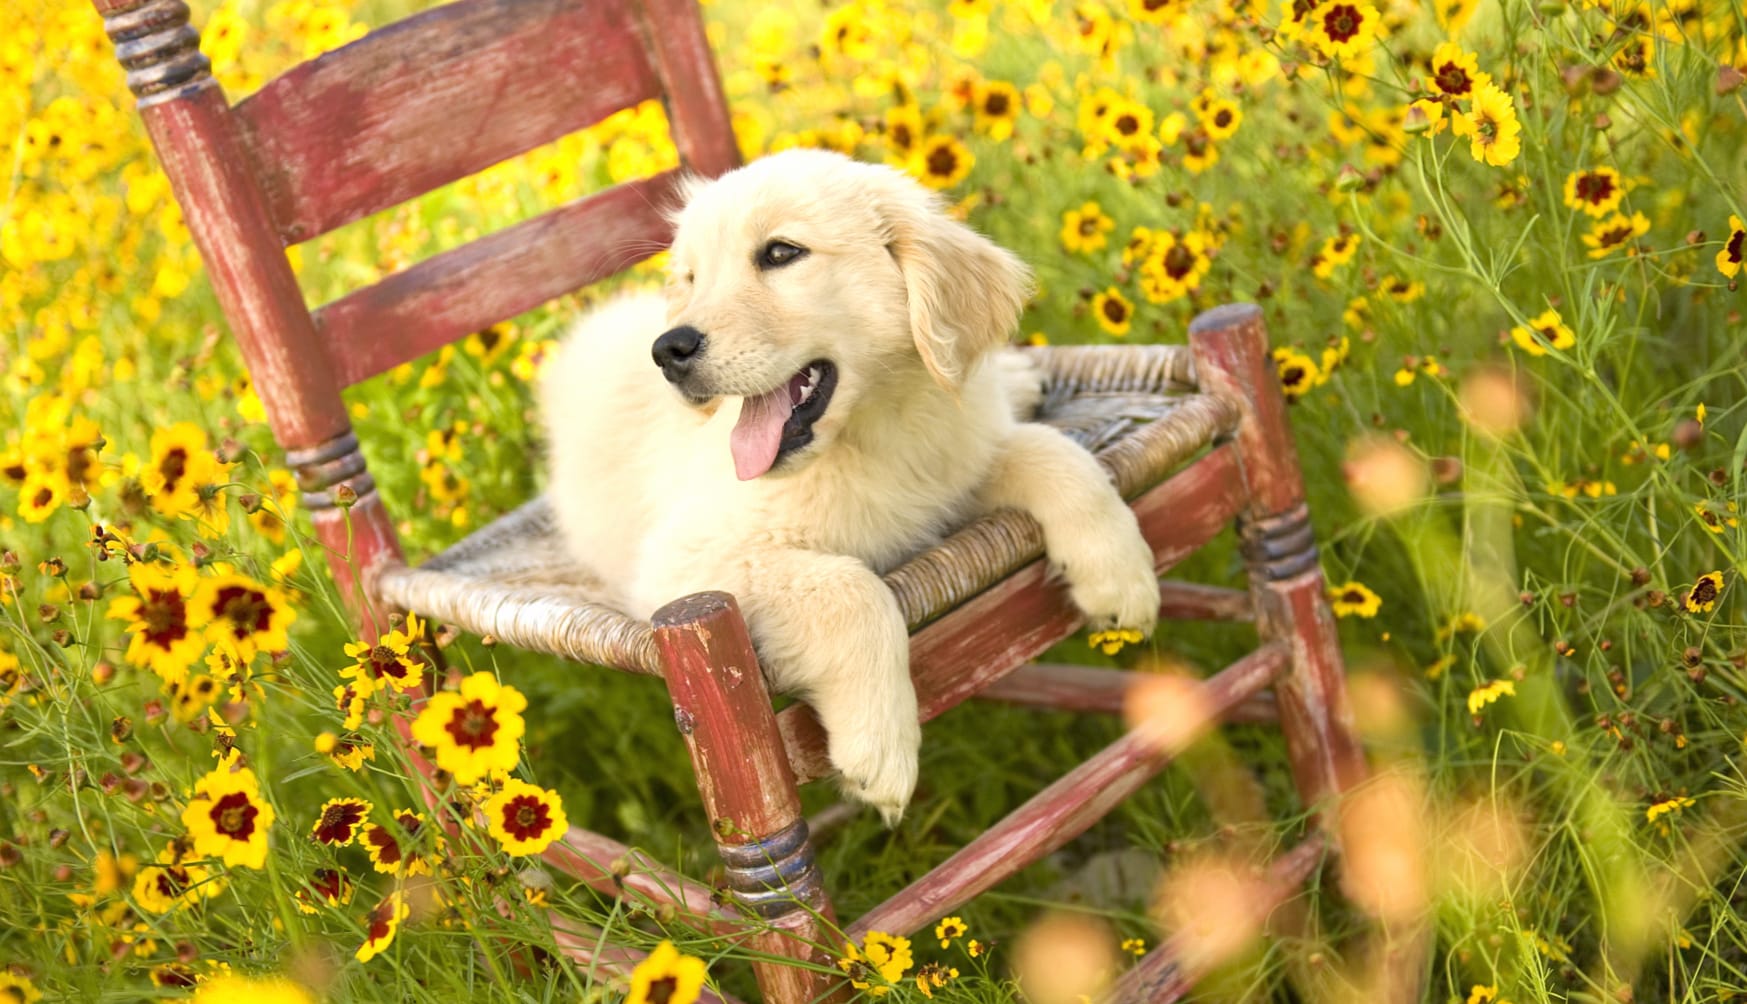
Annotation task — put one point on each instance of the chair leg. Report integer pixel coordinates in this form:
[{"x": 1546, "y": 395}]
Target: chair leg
[
  {"x": 723, "y": 709},
  {"x": 1231, "y": 360}
]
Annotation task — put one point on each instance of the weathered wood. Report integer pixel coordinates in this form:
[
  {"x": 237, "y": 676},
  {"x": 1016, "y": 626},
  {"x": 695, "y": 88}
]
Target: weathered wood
[
  {"x": 1062, "y": 811},
  {"x": 722, "y": 708},
  {"x": 500, "y": 275},
  {"x": 697, "y": 111},
  {"x": 191, "y": 128},
  {"x": 436, "y": 97},
  {"x": 1192, "y": 601},
  {"x": 1231, "y": 359},
  {"x": 604, "y": 864},
  {"x": 1232, "y": 362},
  {"x": 1167, "y": 972},
  {"x": 1011, "y": 623},
  {"x": 1088, "y": 688}
]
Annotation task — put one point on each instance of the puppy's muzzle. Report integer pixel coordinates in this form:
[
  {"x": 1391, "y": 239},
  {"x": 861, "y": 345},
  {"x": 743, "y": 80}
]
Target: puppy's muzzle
[{"x": 676, "y": 351}]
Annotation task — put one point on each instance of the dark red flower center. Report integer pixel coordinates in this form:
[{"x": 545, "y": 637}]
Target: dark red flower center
[
  {"x": 472, "y": 725},
  {"x": 1292, "y": 376},
  {"x": 387, "y": 848},
  {"x": 338, "y": 821},
  {"x": 902, "y": 137},
  {"x": 662, "y": 989},
  {"x": 1352, "y": 596},
  {"x": 1596, "y": 188},
  {"x": 248, "y": 610},
  {"x": 173, "y": 467},
  {"x": 385, "y": 661},
  {"x": 1704, "y": 591},
  {"x": 43, "y": 497},
  {"x": 234, "y": 815},
  {"x": 1452, "y": 78},
  {"x": 1179, "y": 261},
  {"x": 330, "y": 883},
  {"x": 526, "y": 817},
  {"x": 996, "y": 104},
  {"x": 165, "y": 616},
  {"x": 1734, "y": 247},
  {"x": 1115, "y": 311},
  {"x": 1614, "y": 235},
  {"x": 1342, "y": 22},
  {"x": 382, "y": 921},
  {"x": 1127, "y": 124},
  {"x": 1222, "y": 118},
  {"x": 942, "y": 162}
]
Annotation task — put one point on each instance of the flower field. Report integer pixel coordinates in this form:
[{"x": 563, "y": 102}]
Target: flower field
[{"x": 1500, "y": 245}]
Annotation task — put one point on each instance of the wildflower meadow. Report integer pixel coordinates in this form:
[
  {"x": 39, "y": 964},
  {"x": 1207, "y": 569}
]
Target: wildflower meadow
[{"x": 1499, "y": 244}]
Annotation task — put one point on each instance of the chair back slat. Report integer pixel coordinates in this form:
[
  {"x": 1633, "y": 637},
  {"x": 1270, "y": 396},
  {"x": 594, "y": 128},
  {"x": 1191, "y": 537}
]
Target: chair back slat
[
  {"x": 497, "y": 276},
  {"x": 434, "y": 98}
]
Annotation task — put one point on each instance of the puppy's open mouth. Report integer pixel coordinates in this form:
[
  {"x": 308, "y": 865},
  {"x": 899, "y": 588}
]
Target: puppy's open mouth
[{"x": 780, "y": 421}]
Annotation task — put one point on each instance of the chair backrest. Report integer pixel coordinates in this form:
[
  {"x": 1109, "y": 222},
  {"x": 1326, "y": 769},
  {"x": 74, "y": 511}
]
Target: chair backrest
[{"x": 403, "y": 110}]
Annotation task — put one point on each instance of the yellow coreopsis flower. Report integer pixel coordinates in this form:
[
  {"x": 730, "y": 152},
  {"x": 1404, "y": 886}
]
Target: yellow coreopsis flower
[
  {"x": 1343, "y": 29},
  {"x": 1596, "y": 191},
  {"x": 1487, "y": 693},
  {"x": 942, "y": 162},
  {"x": 1354, "y": 599},
  {"x": 475, "y": 730},
  {"x": 1113, "y": 311},
  {"x": 1298, "y": 372},
  {"x": 880, "y": 955},
  {"x": 1491, "y": 127},
  {"x": 1609, "y": 235},
  {"x": 249, "y": 615},
  {"x": 667, "y": 977},
  {"x": 1734, "y": 250},
  {"x": 180, "y": 467},
  {"x": 1084, "y": 229},
  {"x": 525, "y": 819},
  {"x": 1549, "y": 326},
  {"x": 1336, "y": 251},
  {"x": 229, "y": 988},
  {"x": 16, "y": 989},
  {"x": 1702, "y": 597},
  {"x": 381, "y": 925},
  {"x": 228, "y": 819},
  {"x": 167, "y": 630}
]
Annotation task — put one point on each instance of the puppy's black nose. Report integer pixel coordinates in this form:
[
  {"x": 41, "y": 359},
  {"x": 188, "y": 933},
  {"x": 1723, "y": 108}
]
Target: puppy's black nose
[{"x": 675, "y": 350}]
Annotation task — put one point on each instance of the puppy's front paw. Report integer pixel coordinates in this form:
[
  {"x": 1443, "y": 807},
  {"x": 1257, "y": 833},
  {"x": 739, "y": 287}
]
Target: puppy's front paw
[
  {"x": 1115, "y": 585},
  {"x": 876, "y": 759}
]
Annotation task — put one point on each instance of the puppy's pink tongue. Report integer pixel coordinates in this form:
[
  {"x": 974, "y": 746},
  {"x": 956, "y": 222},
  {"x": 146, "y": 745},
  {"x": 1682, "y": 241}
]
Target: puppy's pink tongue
[{"x": 758, "y": 434}]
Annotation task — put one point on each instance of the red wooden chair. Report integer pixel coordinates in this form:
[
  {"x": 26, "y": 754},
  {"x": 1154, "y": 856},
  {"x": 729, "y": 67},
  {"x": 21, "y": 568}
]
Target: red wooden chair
[{"x": 1194, "y": 435}]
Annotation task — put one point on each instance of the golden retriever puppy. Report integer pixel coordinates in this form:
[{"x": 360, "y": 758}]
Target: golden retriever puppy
[{"x": 817, "y": 396}]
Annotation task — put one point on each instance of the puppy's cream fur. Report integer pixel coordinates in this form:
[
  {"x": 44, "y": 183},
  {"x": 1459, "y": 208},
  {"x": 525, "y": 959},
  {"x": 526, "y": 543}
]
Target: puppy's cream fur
[{"x": 920, "y": 435}]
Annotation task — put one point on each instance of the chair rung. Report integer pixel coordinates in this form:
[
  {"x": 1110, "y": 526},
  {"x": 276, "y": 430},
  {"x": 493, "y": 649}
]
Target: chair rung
[
  {"x": 1062, "y": 811},
  {"x": 1166, "y": 974},
  {"x": 1088, "y": 688},
  {"x": 1193, "y": 601},
  {"x": 589, "y": 857}
]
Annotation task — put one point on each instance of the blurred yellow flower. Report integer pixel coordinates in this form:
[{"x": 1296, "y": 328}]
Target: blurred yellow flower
[
  {"x": 1702, "y": 597},
  {"x": 1113, "y": 311},
  {"x": 1354, "y": 599},
  {"x": 1609, "y": 235},
  {"x": 1085, "y": 229},
  {"x": 880, "y": 955},
  {"x": 1596, "y": 191},
  {"x": 1487, "y": 693},
  {"x": 1550, "y": 327},
  {"x": 1734, "y": 250}
]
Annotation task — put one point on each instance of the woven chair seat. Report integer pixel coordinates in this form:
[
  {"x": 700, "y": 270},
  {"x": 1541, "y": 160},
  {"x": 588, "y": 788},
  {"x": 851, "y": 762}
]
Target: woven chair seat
[{"x": 1134, "y": 407}]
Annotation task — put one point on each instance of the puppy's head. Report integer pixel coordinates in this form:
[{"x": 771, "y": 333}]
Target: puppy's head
[{"x": 811, "y": 286}]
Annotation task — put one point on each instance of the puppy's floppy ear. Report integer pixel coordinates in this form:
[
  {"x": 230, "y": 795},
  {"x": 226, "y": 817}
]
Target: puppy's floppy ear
[{"x": 964, "y": 292}]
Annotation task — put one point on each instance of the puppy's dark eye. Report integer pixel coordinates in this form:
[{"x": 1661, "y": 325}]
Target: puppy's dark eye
[{"x": 776, "y": 254}]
